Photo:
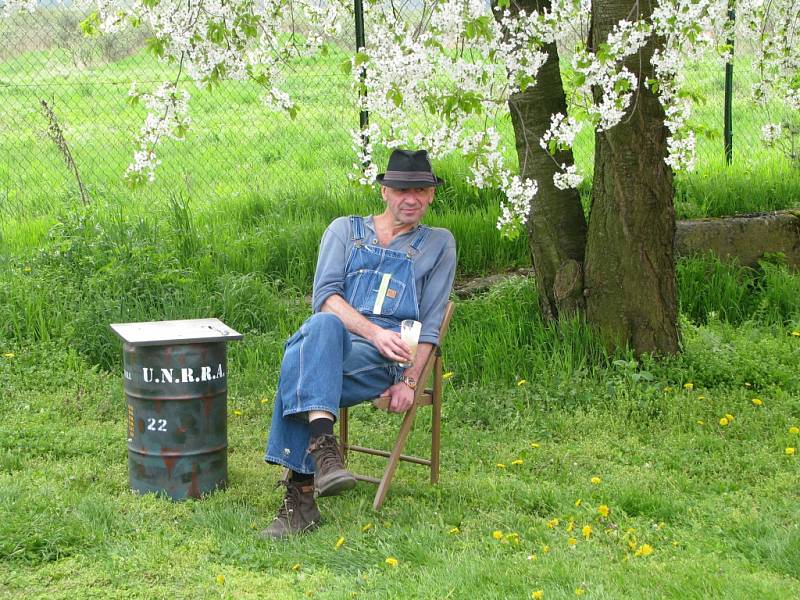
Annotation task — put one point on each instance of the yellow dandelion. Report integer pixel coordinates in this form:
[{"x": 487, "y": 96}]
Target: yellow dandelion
[
  {"x": 448, "y": 375},
  {"x": 534, "y": 445},
  {"x": 701, "y": 422},
  {"x": 661, "y": 525},
  {"x": 366, "y": 528},
  {"x": 500, "y": 465},
  {"x": 596, "y": 480},
  {"x": 580, "y": 591},
  {"x": 513, "y": 538},
  {"x": 537, "y": 594},
  {"x": 644, "y": 550},
  {"x": 790, "y": 451},
  {"x": 8, "y": 355},
  {"x": 701, "y": 397},
  {"x": 572, "y": 541},
  {"x": 630, "y": 530},
  {"x": 724, "y": 421},
  {"x": 220, "y": 579},
  {"x": 552, "y": 522},
  {"x": 603, "y": 510},
  {"x": 497, "y": 534},
  {"x": 339, "y": 543},
  {"x": 757, "y": 401},
  {"x": 522, "y": 382},
  {"x": 545, "y": 549},
  {"x": 578, "y": 502},
  {"x": 517, "y": 462},
  {"x": 570, "y": 526},
  {"x": 454, "y": 531},
  {"x": 391, "y": 561},
  {"x": 729, "y": 416},
  {"x": 794, "y": 429},
  {"x": 632, "y": 544},
  {"x": 688, "y": 386},
  {"x": 587, "y": 531},
  {"x": 796, "y": 333},
  {"x": 296, "y": 567},
  {"x": 264, "y": 400},
  {"x": 667, "y": 389},
  {"x": 238, "y": 413}
]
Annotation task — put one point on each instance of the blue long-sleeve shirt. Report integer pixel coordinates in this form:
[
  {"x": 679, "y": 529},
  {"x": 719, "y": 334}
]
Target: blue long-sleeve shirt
[{"x": 434, "y": 269}]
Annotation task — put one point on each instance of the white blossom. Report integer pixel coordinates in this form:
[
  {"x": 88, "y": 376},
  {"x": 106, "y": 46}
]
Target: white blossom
[
  {"x": 567, "y": 178},
  {"x": 771, "y": 132}
]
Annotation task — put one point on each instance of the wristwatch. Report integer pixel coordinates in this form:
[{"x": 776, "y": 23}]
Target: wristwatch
[{"x": 409, "y": 381}]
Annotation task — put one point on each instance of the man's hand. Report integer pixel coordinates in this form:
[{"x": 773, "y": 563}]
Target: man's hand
[
  {"x": 401, "y": 397},
  {"x": 390, "y": 345}
]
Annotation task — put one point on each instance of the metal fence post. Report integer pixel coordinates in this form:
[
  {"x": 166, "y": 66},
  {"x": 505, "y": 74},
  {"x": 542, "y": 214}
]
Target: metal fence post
[
  {"x": 363, "y": 115},
  {"x": 728, "y": 117}
]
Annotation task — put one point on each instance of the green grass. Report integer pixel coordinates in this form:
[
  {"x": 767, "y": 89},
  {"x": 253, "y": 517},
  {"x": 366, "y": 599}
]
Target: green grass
[{"x": 716, "y": 504}]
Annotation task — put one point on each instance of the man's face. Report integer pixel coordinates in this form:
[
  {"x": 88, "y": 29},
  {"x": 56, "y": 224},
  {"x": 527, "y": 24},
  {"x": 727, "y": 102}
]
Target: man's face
[{"x": 407, "y": 205}]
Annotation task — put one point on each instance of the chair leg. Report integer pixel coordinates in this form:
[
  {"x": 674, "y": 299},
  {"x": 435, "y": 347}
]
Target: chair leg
[
  {"x": 394, "y": 459},
  {"x": 436, "y": 420},
  {"x": 343, "y": 432}
]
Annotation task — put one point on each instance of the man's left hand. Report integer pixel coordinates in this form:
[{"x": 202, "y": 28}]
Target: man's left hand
[{"x": 401, "y": 397}]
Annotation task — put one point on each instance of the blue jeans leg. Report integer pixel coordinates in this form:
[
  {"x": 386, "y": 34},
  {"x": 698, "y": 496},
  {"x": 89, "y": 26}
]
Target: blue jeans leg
[{"x": 324, "y": 367}]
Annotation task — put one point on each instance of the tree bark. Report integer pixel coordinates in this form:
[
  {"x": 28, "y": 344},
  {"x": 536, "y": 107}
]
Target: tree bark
[
  {"x": 630, "y": 265},
  {"x": 556, "y": 224}
]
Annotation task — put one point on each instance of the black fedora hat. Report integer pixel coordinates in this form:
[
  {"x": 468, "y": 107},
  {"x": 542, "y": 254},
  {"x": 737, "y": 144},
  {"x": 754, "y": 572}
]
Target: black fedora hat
[{"x": 409, "y": 169}]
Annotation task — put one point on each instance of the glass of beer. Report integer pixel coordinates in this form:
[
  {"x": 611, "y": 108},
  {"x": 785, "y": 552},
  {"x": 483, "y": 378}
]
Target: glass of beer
[{"x": 409, "y": 332}]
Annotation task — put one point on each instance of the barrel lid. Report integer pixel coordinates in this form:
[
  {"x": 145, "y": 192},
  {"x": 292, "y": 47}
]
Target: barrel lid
[{"x": 186, "y": 331}]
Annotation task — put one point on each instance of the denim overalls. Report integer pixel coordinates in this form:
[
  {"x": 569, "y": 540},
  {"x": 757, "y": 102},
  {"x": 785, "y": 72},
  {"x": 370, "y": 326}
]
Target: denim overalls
[{"x": 324, "y": 365}]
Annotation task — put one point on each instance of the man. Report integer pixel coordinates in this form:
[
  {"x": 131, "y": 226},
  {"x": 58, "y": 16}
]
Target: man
[{"x": 372, "y": 273}]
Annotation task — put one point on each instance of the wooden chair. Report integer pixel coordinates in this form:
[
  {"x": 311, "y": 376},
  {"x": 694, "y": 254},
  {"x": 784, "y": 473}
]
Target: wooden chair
[{"x": 425, "y": 396}]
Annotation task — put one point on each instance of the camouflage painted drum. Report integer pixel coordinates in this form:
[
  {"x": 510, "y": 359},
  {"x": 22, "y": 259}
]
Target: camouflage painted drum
[{"x": 177, "y": 418}]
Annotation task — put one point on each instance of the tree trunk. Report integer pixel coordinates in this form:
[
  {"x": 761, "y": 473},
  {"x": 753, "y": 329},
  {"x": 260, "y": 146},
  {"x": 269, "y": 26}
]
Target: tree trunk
[
  {"x": 630, "y": 265},
  {"x": 556, "y": 224}
]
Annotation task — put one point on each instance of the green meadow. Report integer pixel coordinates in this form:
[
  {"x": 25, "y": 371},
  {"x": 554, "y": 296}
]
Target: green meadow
[{"x": 566, "y": 470}]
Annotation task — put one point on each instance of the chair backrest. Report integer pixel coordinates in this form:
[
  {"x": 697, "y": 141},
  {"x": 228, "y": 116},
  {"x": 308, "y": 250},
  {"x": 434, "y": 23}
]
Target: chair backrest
[{"x": 426, "y": 372}]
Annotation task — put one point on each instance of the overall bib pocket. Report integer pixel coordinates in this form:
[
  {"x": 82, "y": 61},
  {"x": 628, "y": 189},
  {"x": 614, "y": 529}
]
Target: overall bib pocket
[{"x": 365, "y": 287}]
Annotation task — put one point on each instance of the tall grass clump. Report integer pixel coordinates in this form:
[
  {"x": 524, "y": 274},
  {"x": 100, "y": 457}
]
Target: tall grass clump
[
  {"x": 499, "y": 338},
  {"x": 709, "y": 288}
]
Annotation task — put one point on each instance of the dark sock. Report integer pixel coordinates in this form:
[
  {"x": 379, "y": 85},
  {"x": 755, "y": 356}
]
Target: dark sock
[
  {"x": 301, "y": 478},
  {"x": 321, "y": 426}
]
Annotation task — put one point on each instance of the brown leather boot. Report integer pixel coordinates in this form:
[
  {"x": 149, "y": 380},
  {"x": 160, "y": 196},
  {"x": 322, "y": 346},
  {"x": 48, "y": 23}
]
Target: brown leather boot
[
  {"x": 330, "y": 476},
  {"x": 297, "y": 514}
]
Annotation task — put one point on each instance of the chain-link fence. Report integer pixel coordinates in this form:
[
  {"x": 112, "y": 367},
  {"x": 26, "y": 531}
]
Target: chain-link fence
[
  {"x": 234, "y": 138},
  {"x": 235, "y": 142}
]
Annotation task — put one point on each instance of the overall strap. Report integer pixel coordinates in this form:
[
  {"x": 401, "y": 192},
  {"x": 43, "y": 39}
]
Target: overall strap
[
  {"x": 357, "y": 229},
  {"x": 416, "y": 243}
]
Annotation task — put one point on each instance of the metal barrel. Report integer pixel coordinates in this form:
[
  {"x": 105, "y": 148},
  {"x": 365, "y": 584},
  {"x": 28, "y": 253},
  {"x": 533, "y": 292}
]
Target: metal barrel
[{"x": 177, "y": 418}]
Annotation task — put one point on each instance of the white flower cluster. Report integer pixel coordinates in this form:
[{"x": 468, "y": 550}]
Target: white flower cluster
[
  {"x": 562, "y": 132},
  {"x": 515, "y": 209},
  {"x": 567, "y": 178},
  {"x": 775, "y": 26},
  {"x": 408, "y": 71},
  {"x": 167, "y": 117},
  {"x": 771, "y": 133},
  {"x": 363, "y": 145},
  {"x": 11, "y": 7}
]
